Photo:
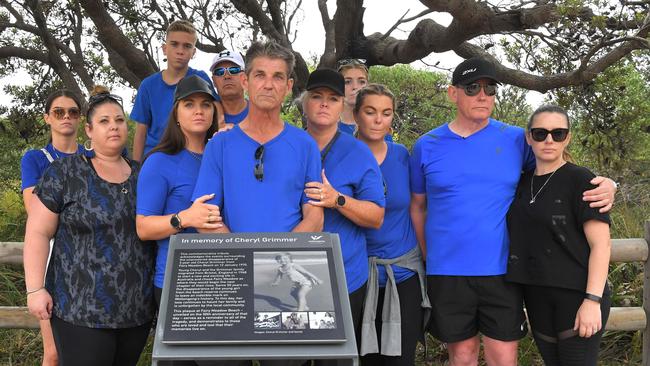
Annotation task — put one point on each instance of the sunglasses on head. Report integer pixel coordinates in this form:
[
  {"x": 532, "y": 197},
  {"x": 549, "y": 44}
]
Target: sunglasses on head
[
  {"x": 350, "y": 62},
  {"x": 259, "y": 163},
  {"x": 59, "y": 113},
  {"x": 221, "y": 71},
  {"x": 475, "y": 88},
  {"x": 558, "y": 134},
  {"x": 98, "y": 98}
]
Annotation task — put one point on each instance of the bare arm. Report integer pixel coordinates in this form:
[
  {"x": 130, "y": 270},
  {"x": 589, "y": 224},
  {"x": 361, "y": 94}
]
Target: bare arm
[
  {"x": 363, "y": 213},
  {"x": 588, "y": 319},
  {"x": 139, "y": 140},
  {"x": 418, "y": 216},
  {"x": 27, "y": 197},
  {"x": 305, "y": 272},
  {"x": 41, "y": 226},
  {"x": 312, "y": 219},
  {"x": 601, "y": 196},
  {"x": 277, "y": 279},
  {"x": 199, "y": 215}
]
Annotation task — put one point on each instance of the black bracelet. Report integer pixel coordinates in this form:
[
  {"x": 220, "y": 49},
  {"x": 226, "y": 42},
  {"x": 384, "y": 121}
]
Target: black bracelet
[{"x": 593, "y": 297}]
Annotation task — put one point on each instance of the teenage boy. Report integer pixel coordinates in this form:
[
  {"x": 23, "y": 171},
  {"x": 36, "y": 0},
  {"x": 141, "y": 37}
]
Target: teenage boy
[{"x": 156, "y": 93}]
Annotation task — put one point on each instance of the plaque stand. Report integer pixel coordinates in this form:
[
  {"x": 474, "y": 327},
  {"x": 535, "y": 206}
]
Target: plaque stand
[{"x": 344, "y": 352}]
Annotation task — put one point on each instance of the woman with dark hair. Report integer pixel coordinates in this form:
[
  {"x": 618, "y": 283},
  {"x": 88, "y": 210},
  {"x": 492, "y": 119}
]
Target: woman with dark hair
[
  {"x": 351, "y": 192},
  {"x": 98, "y": 290},
  {"x": 394, "y": 313},
  {"x": 169, "y": 174},
  {"x": 62, "y": 114},
  {"x": 559, "y": 247}
]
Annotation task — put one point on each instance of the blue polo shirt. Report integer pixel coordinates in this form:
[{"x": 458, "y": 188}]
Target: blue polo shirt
[
  {"x": 154, "y": 102},
  {"x": 165, "y": 186},
  {"x": 353, "y": 171},
  {"x": 396, "y": 236},
  {"x": 469, "y": 184},
  {"x": 274, "y": 204},
  {"x": 34, "y": 163}
]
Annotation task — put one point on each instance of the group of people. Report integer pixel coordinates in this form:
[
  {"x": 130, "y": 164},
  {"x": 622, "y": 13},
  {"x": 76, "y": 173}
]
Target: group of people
[{"x": 218, "y": 162}]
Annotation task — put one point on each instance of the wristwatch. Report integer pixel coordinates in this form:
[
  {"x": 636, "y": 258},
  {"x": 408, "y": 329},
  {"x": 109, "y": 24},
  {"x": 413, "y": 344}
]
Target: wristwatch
[
  {"x": 340, "y": 200},
  {"x": 175, "y": 222}
]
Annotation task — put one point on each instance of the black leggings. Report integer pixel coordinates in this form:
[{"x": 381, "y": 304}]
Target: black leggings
[
  {"x": 79, "y": 345},
  {"x": 552, "y": 312},
  {"x": 412, "y": 316}
]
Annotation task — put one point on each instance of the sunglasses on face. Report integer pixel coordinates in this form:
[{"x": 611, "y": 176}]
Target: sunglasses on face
[
  {"x": 221, "y": 71},
  {"x": 259, "y": 163},
  {"x": 59, "y": 113},
  {"x": 558, "y": 134},
  {"x": 475, "y": 88}
]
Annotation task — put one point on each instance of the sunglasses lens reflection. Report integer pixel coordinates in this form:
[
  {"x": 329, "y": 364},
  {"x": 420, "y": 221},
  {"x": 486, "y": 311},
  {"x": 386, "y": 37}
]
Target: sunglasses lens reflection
[
  {"x": 475, "y": 88},
  {"x": 59, "y": 113},
  {"x": 558, "y": 134}
]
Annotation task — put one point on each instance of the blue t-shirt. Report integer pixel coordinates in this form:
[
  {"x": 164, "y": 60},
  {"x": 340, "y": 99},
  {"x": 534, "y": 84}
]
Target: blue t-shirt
[
  {"x": 290, "y": 160},
  {"x": 397, "y": 235},
  {"x": 236, "y": 118},
  {"x": 34, "y": 163},
  {"x": 350, "y": 129},
  {"x": 154, "y": 102},
  {"x": 353, "y": 171},
  {"x": 165, "y": 187},
  {"x": 469, "y": 184}
]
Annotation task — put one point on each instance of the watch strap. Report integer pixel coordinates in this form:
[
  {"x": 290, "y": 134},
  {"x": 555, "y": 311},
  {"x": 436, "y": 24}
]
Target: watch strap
[{"x": 593, "y": 297}]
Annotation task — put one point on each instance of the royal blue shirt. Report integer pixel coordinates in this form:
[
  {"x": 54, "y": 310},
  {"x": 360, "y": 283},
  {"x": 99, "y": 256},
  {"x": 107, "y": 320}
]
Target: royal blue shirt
[
  {"x": 236, "y": 118},
  {"x": 397, "y": 235},
  {"x": 165, "y": 187},
  {"x": 274, "y": 204},
  {"x": 350, "y": 129},
  {"x": 154, "y": 102},
  {"x": 352, "y": 170},
  {"x": 34, "y": 163},
  {"x": 469, "y": 184}
]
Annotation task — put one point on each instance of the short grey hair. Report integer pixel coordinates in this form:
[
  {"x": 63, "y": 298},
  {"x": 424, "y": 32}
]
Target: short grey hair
[{"x": 270, "y": 49}]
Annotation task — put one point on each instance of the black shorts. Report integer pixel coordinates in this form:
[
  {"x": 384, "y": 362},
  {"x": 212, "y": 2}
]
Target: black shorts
[{"x": 462, "y": 306}]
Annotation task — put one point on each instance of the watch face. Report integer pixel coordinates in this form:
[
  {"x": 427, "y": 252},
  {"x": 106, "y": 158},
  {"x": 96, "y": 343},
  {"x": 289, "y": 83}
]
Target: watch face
[
  {"x": 340, "y": 200},
  {"x": 175, "y": 222}
]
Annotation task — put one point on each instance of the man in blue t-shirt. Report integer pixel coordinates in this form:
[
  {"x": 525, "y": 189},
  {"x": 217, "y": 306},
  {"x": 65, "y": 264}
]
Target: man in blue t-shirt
[
  {"x": 155, "y": 96},
  {"x": 258, "y": 169},
  {"x": 227, "y": 74},
  {"x": 463, "y": 178}
]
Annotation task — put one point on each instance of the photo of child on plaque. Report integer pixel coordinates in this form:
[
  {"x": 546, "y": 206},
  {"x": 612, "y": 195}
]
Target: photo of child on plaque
[{"x": 292, "y": 281}]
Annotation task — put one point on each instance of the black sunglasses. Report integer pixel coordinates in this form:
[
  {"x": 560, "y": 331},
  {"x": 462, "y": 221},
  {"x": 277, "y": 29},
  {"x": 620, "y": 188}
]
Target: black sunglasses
[
  {"x": 59, "y": 113},
  {"x": 98, "y": 98},
  {"x": 475, "y": 88},
  {"x": 221, "y": 71},
  {"x": 558, "y": 134},
  {"x": 259, "y": 163}
]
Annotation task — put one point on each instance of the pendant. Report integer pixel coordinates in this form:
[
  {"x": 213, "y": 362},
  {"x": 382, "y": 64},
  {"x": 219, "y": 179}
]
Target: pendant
[
  {"x": 124, "y": 190},
  {"x": 532, "y": 201}
]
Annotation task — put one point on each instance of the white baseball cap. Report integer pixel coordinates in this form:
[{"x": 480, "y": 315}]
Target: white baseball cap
[{"x": 227, "y": 55}]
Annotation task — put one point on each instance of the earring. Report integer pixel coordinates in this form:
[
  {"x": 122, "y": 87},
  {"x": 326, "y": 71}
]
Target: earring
[{"x": 88, "y": 145}]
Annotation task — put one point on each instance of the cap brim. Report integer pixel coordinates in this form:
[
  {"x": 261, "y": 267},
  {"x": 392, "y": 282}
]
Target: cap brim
[
  {"x": 328, "y": 86},
  {"x": 188, "y": 93},
  {"x": 479, "y": 77},
  {"x": 226, "y": 59}
]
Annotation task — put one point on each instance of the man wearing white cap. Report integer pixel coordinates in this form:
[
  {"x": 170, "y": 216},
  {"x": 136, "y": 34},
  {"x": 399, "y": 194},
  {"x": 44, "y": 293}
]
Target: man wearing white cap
[{"x": 227, "y": 72}]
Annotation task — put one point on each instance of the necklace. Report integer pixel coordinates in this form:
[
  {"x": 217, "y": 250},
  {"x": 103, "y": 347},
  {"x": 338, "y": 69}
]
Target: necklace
[
  {"x": 195, "y": 155},
  {"x": 532, "y": 200}
]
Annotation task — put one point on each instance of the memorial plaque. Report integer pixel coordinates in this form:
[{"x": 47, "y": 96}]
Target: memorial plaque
[{"x": 251, "y": 288}]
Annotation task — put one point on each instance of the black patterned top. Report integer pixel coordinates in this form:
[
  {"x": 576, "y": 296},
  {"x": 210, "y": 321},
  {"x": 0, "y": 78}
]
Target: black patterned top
[{"x": 100, "y": 274}]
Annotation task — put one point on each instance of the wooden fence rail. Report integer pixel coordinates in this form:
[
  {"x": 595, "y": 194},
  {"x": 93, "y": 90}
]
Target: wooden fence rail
[{"x": 620, "y": 318}]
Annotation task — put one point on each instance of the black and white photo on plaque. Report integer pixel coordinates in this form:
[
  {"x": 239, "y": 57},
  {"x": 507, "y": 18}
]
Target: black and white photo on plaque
[
  {"x": 292, "y": 281},
  {"x": 322, "y": 320},
  {"x": 267, "y": 320},
  {"x": 295, "y": 320}
]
